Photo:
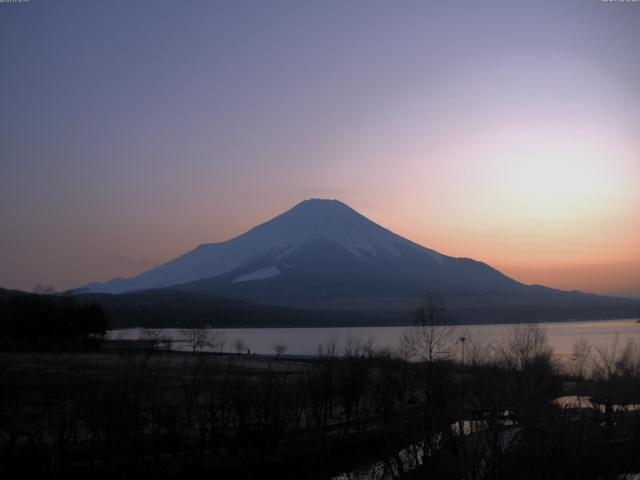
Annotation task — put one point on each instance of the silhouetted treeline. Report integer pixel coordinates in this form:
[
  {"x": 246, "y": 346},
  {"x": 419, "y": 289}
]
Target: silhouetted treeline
[
  {"x": 47, "y": 320},
  {"x": 169, "y": 308}
]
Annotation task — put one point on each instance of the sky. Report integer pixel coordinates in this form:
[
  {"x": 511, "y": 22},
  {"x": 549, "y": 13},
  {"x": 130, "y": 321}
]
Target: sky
[{"x": 133, "y": 131}]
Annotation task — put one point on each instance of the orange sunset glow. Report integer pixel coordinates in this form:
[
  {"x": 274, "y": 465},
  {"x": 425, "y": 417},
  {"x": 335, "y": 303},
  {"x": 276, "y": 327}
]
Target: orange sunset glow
[{"x": 522, "y": 153}]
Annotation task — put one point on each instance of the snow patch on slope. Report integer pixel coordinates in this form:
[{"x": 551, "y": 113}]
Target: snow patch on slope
[
  {"x": 310, "y": 220},
  {"x": 261, "y": 274}
]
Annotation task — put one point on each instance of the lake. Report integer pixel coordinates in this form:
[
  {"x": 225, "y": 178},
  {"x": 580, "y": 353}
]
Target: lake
[{"x": 305, "y": 341}]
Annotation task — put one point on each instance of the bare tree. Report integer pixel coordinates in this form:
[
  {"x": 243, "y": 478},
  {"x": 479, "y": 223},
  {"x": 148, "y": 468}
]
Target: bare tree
[
  {"x": 431, "y": 340},
  {"x": 526, "y": 343},
  {"x": 477, "y": 353},
  {"x": 353, "y": 347},
  {"x": 196, "y": 338},
  {"x": 151, "y": 338},
  {"x": 239, "y": 346},
  {"x": 328, "y": 350},
  {"x": 279, "y": 349},
  {"x": 615, "y": 368},
  {"x": 369, "y": 347},
  {"x": 165, "y": 341},
  {"x": 580, "y": 357},
  {"x": 527, "y": 356},
  {"x": 216, "y": 341},
  {"x": 432, "y": 336}
]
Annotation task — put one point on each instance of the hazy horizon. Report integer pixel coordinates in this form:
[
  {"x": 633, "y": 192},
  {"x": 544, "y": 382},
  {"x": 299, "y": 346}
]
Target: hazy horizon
[{"x": 131, "y": 132}]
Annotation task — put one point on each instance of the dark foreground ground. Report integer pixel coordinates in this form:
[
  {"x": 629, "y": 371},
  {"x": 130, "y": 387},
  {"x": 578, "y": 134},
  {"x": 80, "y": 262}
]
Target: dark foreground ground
[{"x": 132, "y": 410}]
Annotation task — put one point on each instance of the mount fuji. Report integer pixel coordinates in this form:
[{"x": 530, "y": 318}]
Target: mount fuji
[
  {"x": 322, "y": 254},
  {"x": 328, "y": 247}
]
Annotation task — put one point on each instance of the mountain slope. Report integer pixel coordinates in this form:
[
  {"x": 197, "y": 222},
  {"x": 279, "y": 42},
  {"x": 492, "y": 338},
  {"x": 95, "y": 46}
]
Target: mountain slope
[
  {"x": 322, "y": 254},
  {"x": 325, "y": 240},
  {"x": 321, "y": 270}
]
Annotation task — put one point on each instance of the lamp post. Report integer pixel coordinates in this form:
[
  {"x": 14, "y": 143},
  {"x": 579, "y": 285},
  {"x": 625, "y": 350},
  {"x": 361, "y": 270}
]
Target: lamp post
[{"x": 462, "y": 339}]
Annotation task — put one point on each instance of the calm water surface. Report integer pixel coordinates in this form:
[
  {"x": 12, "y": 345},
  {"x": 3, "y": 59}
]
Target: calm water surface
[{"x": 305, "y": 341}]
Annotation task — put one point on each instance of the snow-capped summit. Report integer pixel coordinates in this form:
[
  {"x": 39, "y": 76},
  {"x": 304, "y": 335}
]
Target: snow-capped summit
[
  {"x": 314, "y": 219},
  {"x": 317, "y": 249},
  {"x": 329, "y": 220}
]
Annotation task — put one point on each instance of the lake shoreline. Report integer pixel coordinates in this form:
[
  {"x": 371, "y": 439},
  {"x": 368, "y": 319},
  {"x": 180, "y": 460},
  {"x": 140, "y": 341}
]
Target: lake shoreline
[{"x": 306, "y": 341}]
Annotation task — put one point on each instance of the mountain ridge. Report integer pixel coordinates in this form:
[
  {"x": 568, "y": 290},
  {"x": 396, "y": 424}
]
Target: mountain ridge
[
  {"x": 313, "y": 218},
  {"x": 324, "y": 255}
]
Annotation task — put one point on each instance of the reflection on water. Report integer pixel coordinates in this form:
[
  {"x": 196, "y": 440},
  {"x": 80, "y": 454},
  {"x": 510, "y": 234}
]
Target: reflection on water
[
  {"x": 407, "y": 459},
  {"x": 412, "y": 456},
  {"x": 305, "y": 341},
  {"x": 573, "y": 401}
]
